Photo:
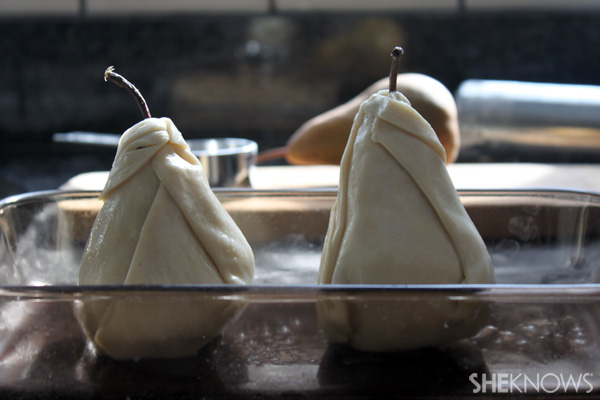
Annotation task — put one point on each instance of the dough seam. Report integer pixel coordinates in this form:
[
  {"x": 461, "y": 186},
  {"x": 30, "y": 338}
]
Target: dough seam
[{"x": 435, "y": 210}]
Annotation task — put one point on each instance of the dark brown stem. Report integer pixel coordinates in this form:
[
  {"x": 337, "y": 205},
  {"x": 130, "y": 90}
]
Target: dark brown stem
[
  {"x": 396, "y": 54},
  {"x": 111, "y": 75}
]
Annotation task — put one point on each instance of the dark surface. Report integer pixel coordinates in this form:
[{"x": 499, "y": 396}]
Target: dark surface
[
  {"x": 277, "y": 351},
  {"x": 36, "y": 169}
]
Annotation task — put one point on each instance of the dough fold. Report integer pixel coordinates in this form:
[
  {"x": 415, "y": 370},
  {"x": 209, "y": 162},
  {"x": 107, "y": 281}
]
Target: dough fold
[
  {"x": 160, "y": 224},
  {"x": 398, "y": 220}
]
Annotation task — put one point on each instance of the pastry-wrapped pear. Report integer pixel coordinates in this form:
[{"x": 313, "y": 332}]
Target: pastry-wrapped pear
[
  {"x": 398, "y": 220},
  {"x": 160, "y": 224}
]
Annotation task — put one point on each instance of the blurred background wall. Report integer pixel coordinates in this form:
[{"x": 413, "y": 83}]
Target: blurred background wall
[{"x": 259, "y": 68}]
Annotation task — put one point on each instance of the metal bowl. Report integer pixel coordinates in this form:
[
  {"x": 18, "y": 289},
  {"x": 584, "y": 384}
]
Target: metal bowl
[{"x": 227, "y": 161}]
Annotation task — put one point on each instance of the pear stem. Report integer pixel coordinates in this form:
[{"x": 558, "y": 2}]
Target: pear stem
[
  {"x": 120, "y": 81},
  {"x": 397, "y": 53}
]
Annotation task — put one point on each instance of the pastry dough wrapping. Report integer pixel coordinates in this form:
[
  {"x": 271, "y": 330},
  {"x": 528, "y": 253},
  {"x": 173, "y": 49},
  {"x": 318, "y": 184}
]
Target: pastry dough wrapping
[
  {"x": 160, "y": 224},
  {"x": 398, "y": 220}
]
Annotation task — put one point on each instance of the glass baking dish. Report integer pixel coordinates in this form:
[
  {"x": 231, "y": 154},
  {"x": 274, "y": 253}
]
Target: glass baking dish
[{"x": 541, "y": 337}]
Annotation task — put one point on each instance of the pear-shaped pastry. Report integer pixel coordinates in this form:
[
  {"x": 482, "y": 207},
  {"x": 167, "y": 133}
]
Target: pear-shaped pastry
[
  {"x": 398, "y": 220},
  {"x": 160, "y": 224}
]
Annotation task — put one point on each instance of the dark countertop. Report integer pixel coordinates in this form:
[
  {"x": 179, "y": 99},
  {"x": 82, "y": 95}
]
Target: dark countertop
[{"x": 34, "y": 170}]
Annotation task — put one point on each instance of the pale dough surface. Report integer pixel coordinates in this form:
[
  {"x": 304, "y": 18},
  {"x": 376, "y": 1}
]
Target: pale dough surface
[
  {"x": 160, "y": 224},
  {"x": 398, "y": 220}
]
